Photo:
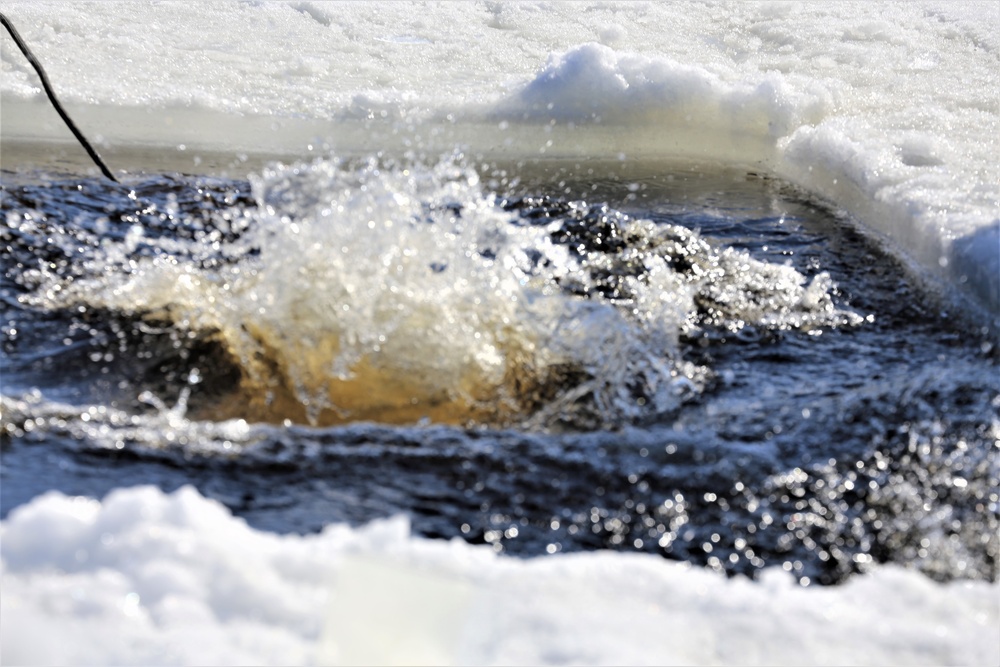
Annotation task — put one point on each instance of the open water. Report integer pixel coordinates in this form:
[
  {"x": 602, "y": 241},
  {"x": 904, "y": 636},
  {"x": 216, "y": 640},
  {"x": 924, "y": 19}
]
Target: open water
[{"x": 706, "y": 364}]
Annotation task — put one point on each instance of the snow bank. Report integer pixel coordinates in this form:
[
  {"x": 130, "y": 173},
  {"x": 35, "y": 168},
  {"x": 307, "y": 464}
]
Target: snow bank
[
  {"x": 889, "y": 110},
  {"x": 144, "y": 577}
]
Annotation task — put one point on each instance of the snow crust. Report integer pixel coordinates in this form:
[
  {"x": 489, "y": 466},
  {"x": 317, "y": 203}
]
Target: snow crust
[
  {"x": 144, "y": 577},
  {"x": 891, "y": 111}
]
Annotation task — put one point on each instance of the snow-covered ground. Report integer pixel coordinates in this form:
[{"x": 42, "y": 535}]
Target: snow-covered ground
[
  {"x": 143, "y": 577},
  {"x": 890, "y": 110}
]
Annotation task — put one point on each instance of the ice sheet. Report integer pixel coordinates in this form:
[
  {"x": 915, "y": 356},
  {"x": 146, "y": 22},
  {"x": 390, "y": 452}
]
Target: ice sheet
[{"x": 890, "y": 111}]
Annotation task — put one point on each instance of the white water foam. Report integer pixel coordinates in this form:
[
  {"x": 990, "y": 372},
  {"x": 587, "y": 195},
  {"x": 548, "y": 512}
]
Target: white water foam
[
  {"x": 415, "y": 294},
  {"x": 890, "y": 111},
  {"x": 144, "y": 577}
]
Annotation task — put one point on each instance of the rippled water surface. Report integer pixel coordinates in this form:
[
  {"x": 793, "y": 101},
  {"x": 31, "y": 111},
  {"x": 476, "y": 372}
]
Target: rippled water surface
[{"x": 705, "y": 364}]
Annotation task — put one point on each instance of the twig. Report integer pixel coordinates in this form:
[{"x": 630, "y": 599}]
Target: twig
[{"x": 52, "y": 98}]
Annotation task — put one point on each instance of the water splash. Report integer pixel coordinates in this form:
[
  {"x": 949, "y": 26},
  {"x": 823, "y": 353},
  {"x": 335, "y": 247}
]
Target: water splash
[{"x": 398, "y": 293}]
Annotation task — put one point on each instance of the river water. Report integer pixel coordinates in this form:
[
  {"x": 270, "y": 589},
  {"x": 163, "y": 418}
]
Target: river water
[{"x": 703, "y": 363}]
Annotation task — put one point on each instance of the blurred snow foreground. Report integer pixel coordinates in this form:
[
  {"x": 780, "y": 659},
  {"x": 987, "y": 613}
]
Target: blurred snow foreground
[{"x": 145, "y": 577}]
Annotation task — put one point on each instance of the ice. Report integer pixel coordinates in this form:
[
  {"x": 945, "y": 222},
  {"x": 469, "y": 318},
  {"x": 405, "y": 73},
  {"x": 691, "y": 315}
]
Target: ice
[
  {"x": 890, "y": 111},
  {"x": 144, "y": 577}
]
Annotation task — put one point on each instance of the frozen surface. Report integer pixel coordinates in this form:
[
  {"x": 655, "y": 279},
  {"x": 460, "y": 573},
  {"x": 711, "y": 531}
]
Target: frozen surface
[
  {"x": 891, "y": 111},
  {"x": 147, "y": 578}
]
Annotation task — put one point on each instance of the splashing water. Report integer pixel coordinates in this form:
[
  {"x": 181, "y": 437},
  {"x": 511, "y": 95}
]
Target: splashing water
[
  {"x": 400, "y": 293},
  {"x": 158, "y": 326}
]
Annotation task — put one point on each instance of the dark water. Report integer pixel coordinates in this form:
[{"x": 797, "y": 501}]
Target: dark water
[{"x": 823, "y": 446}]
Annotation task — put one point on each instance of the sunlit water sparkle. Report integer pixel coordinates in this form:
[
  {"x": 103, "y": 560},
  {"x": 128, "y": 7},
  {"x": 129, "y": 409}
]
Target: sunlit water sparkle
[{"x": 708, "y": 365}]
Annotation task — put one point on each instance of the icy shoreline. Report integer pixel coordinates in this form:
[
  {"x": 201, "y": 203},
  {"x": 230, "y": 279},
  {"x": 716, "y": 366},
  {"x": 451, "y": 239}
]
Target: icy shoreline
[{"x": 907, "y": 146}]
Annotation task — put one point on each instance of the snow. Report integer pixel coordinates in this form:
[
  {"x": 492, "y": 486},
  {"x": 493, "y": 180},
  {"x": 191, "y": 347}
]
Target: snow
[
  {"x": 891, "y": 111},
  {"x": 144, "y": 577}
]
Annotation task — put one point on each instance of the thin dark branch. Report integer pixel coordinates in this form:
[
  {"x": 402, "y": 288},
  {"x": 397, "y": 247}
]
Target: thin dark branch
[{"x": 52, "y": 98}]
